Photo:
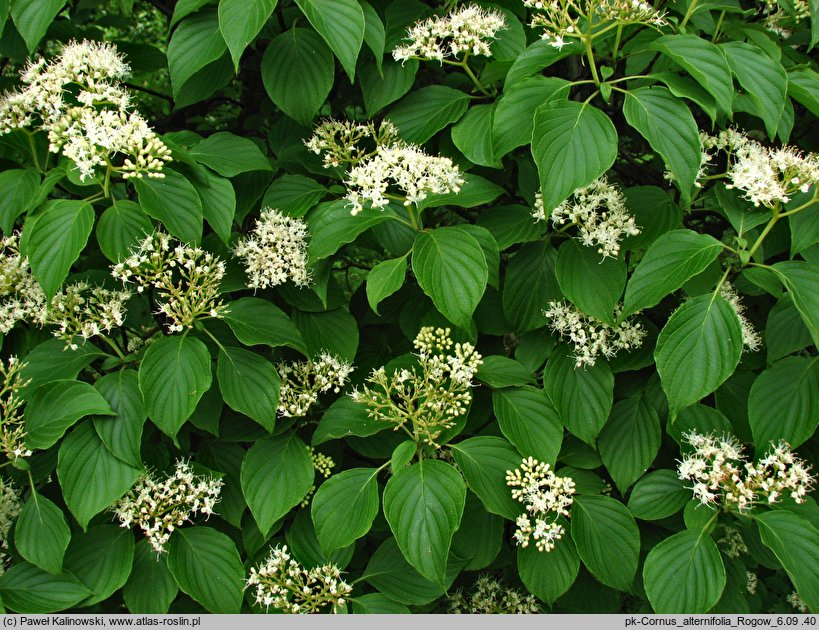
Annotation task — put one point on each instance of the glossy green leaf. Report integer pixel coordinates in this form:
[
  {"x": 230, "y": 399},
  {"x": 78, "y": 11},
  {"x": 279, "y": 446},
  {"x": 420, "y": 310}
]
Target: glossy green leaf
[
  {"x": 473, "y": 136},
  {"x": 684, "y": 574},
  {"x": 276, "y": 475},
  {"x": 122, "y": 432},
  {"x": 20, "y": 187},
  {"x": 249, "y": 384},
  {"x": 120, "y": 229},
  {"x": 697, "y": 350},
  {"x": 41, "y": 534},
  {"x": 150, "y": 588},
  {"x": 195, "y": 43},
  {"x": 672, "y": 259},
  {"x": 385, "y": 279},
  {"x": 630, "y": 440},
  {"x": 384, "y": 87},
  {"x": 529, "y": 421},
  {"x": 784, "y": 402},
  {"x": 335, "y": 331},
  {"x": 658, "y": 495},
  {"x": 423, "y": 504},
  {"x": 32, "y": 19},
  {"x": 426, "y": 111},
  {"x": 583, "y": 397},
  {"x": 26, "y": 588},
  {"x": 173, "y": 375},
  {"x": 229, "y": 154},
  {"x": 331, "y": 226},
  {"x": 341, "y": 23},
  {"x": 174, "y": 201},
  {"x": 101, "y": 558},
  {"x": 205, "y": 564},
  {"x": 607, "y": 539},
  {"x": 344, "y": 507},
  {"x": 514, "y": 115},
  {"x": 802, "y": 281},
  {"x": 54, "y": 239},
  {"x": 344, "y": 418},
  {"x": 91, "y": 478},
  {"x": 593, "y": 283},
  {"x": 529, "y": 285},
  {"x": 258, "y": 322},
  {"x": 572, "y": 145},
  {"x": 56, "y": 406},
  {"x": 548, "y": 575},
  {"x": 240, "y": 21},
  {"x": 450, "y": 266},
  {"x": 484, "y": 461},
  {"x": 669, "y": 127},
  {"x": 293, "y": 195}
]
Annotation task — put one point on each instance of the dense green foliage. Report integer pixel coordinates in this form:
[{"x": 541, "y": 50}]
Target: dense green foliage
[{"x": 543, "y": 341}]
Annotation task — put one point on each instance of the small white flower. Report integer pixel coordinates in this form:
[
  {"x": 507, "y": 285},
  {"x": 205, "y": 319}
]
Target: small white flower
[{"x": 275, "y": 251}]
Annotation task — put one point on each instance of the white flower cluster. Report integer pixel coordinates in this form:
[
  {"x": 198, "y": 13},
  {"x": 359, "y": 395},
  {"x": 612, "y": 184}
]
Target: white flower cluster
[
  {"x": 751, "y": 582},
  {"x": 158, "y": 506},
  {"x": 488, "y": 596},
  {"x": 275, "y": 251},
  {"x": 468, "y": 30},
  {"x": 392, "y": 170},
  {"x": 750, "y": 337},
  {"x": 185, "y": 279},
  {"x": 767, "y": 176},
  {"x": 797, "y": 602},
  {"x": 12, "y": 424},
  {"x": 80, "y": 310},
  {"x": 599, "y": 212},
  {"x": 10, "y": 508},
  {"x": 731, "y": 542},
  {"x": 592, "y": 337},
  {"x": 722, "y": 476},
  {"x": 561, "y": 19},
  {"x": 546, "y": 497},
  {"x": 430, "y": 398},
  {"x": 303, "y": 381},
  {"x": 78, "y": 99},
  {"x": 779, "y": 18},
  {"x": 284, "y": 584},
  {"x": 22, "y": 297}
]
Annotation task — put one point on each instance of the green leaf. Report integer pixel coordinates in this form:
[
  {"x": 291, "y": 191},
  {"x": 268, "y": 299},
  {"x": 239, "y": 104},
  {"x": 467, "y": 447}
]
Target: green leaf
[
  {"x": 795, "y": 542},
  {"x": 423, "y": 504},
  {"x": 331, "y": 226},
  {"x": 451, "y": 268},
  {"x": 240, "y": 21},
  {"x": 384, "y": 87},
  {"x": 49, "y": 361},
  {"x": 255, "y": 321},
  {"x": 345, "y": 418},
  {"x": 122, "y": 433},
  {"x": 20, "y": 187},
  {"x": 669, "y": 127},
  {"x": 341, "y": 23},
  {"x": 374, "y": 32},
  {"x": 385, "y": 279},
  {"x": 393, "y": 576},
  {"x": 480, "y": 536},
  {"x": 298, "y": 71},
  {"x": 658, "y": 495},
  {"x": 529, "y": 421},
  {"x": 150, "y": 588},
  {"x": 802, "y": 281},
  {"x": 293, "y": 195},
  {"x": 378, "y": 604},
  {"x": 784, "y": 402},
  {"x": 229, "y": 155},
  {"x": 56, "y": 406},
  {"x": 763, "y": 79},
  {"x": 473, "y": 136},
  {"x": 344, "y": 507},
  {"x": 698, "y": 349},
  {"x": 630, "y": 440},
  {"x": 537, "y": 56},
  {"x": 529, "y": 285},
  {"x": 654, "y": 210},
  {"x": 174, "y": 201},
  {"x": 704, "y": 61},
  {"x": 498, "y": 371},
  {"x": 32, "y": 19},
  {"x": 673, "y": 259},
  {"x": 572, "y": 145},
  {"x": 195, "y": 43},
  {"x": 548, "y": 575},
  {"x": 276, "y": 475},
  {"x": 206, "y": 565},
  {"x": 121, "y": 227},
  {"x": 249, "y": 384},
  {"x": 173, "y": 375},
  {"x": 514, "y": 115},
  {"x": 101, "y": 558},
  {"x": 425, "y": 112},
  {"x": 28, "y": 589},
  {"x": 684, "y": 574},
  {"x": 476, "y": 191},
  {"x": 484, "y": 461},
  {"x": 607, "y": 539},
  {"x": 594, "y": 284},
  {"x": 803, "y": 87},
  {"x": 509, "y": 225},
  {"x": 685, "y": 87},
  {"x": 582, "y": 397},
  {"x": 41, "y": 534},
  {"x": 92, "y": 479},
  {"x": 785, "y": 332},
  {"x": 335, "y": 331},
  {"x": 218, "y": 202},
  {"x": 54, "y": 239}
]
